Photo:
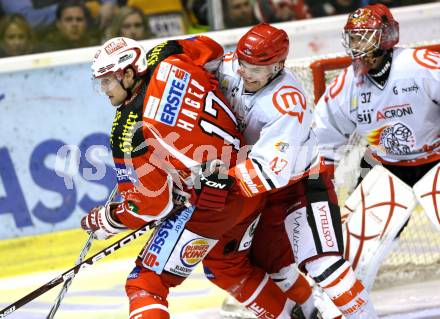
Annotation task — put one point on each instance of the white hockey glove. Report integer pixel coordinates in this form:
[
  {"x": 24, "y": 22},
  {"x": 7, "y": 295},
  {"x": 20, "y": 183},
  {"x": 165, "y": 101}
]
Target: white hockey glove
[{"x": 100, "y": 222}]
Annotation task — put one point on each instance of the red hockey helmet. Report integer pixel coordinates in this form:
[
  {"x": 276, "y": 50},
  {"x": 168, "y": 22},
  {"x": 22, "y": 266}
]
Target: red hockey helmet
[
  {"x": 263, "y": 45},
  {"x": 369, "y": 28}
]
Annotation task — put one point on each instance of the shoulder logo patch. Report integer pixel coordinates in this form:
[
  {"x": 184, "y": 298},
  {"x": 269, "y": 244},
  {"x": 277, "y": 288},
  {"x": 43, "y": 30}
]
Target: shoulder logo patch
[
  {"x": 289, "y": 100},
  {"x": 428, "y": 59}
]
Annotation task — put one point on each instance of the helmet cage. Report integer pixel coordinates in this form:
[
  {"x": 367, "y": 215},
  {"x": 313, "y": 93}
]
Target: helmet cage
[
  {"x": 361, "y": 42},
  {"x": 369, "y": 28}
]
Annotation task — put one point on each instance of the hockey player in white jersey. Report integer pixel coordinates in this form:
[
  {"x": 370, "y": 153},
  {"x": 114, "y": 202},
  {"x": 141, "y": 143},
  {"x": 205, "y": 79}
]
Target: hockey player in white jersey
[
  {"x": 301, "y": 221},
  {"x": 391, "y": 97}
]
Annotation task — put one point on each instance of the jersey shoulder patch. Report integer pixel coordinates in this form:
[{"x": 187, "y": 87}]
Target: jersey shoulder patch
[
  {"x": 427, "y": 58},
  {"x": 335, "y": 87},
  {"x": 228, "y": 66},
  {"x": 416, "y": 63},
  {"x": 228, "y": 57}
]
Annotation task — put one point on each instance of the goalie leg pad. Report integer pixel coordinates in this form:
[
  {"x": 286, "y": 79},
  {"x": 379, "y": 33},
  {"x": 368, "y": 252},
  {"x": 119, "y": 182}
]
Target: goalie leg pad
[
  {"x": 379, "y": 208},
  {"x": 427, "y": 191}
]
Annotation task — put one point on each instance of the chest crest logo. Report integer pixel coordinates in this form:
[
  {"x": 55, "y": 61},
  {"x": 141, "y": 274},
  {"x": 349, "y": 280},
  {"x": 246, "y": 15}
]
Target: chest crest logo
[{"x": 289, "y": 100}]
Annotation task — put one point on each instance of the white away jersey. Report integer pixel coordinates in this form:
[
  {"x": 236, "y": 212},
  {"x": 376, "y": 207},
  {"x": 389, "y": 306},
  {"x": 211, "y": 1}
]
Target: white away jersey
[
  {"x": 400, "y": 121},
  {"x": 276, "y": 121}
]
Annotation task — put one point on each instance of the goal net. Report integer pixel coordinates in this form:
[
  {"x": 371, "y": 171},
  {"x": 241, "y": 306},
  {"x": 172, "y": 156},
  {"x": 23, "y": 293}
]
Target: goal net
[{"x": 417, "y": 254}]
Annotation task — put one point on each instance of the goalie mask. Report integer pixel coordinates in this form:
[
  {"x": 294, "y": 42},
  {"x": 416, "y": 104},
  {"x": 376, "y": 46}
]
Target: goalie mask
[
  {"x": 261, "y": 53},
  {"x": 369, "y": 33},
  {"x": 113, "y": 58}
]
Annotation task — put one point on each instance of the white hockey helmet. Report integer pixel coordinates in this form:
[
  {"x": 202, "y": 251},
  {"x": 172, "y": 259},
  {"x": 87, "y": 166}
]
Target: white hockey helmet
[{"x": 115, "y": 55}]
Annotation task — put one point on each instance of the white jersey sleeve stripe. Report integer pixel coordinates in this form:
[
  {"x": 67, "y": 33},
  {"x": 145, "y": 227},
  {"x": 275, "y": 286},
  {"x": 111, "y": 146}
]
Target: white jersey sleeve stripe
[{"x": 268, "y": 183}]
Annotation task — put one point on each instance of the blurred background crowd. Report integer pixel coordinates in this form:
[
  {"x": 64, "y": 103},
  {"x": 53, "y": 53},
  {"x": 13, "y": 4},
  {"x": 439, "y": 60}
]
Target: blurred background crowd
[{"x": 31, "y": 26}]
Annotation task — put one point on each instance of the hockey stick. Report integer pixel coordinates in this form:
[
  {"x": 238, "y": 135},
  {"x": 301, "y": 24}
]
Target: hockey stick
[
  {"x": 74, "y": 270},
  {"x": 79, "y": 260},
  {"x": 85, "y": 264}
]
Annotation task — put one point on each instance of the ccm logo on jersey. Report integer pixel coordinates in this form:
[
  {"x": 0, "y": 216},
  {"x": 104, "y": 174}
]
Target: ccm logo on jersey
[
  {"x": 246, "y": 240},
  {"x": 282, "y": 146},
  {"x": 172, "y": 97},
  {"x": 289, "y": 100},
  {"x": 134, "y": 273}
]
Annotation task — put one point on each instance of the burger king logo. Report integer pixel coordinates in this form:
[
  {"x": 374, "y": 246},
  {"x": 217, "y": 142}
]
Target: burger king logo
[{"x": 194, "y": 251}]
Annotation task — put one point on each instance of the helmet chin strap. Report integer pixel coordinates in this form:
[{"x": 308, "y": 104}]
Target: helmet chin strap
[
  {"x": 129, "y": 90},
  {"x": 276, "y": 70}
]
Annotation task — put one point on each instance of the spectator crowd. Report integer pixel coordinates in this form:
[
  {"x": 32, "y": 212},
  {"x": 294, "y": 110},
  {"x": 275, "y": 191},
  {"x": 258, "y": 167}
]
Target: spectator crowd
[{"x": 31, "y": 26}]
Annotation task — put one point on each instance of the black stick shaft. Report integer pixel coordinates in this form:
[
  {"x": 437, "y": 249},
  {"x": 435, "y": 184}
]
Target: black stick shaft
[
  {"x": 72, "y": 271},
  {"x": 79, "y": 260}
]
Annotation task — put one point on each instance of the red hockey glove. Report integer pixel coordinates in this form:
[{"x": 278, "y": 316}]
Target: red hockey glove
[
  {"x": 100, "y": 222},
  {"x": 211, "y": 186}
]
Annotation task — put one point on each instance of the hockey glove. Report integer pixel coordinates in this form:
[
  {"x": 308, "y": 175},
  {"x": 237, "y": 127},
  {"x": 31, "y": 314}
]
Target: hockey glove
[
  {"x": 100, "y": 222},
  {"x": 211, "y": 186}
]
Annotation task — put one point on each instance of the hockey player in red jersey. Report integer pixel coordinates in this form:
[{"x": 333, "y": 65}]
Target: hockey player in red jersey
[
  {"x": 171, "y": 120},
  {"x": 391, "y": 97},
  {"x": 301, "y": 220}
]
